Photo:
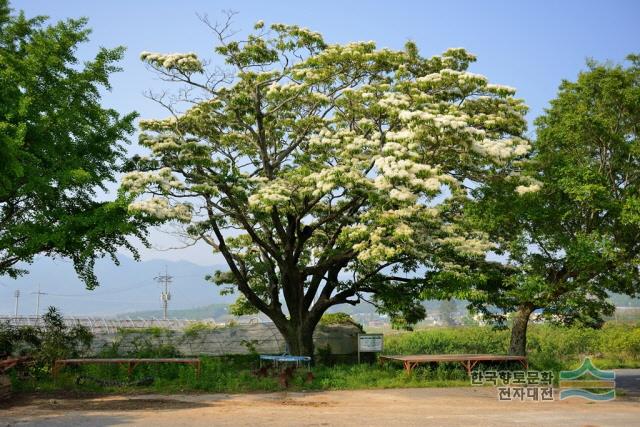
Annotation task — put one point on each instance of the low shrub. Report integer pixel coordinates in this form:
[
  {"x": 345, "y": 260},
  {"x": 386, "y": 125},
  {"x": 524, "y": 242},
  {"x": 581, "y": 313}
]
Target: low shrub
[
  {"x": 45, "y": 343},
  {"x": 339, "y": 319}
]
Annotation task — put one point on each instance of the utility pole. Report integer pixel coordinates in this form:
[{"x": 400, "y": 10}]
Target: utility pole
[
  {"x": 38, "y": 302},
  {"x": 16, "y": 294},
  {"x": 165, "y": 296}
]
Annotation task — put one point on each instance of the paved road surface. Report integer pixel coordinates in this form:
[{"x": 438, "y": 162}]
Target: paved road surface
[
  {"x": 401, "y": 407},
  {"x": 628, "y": 380}
]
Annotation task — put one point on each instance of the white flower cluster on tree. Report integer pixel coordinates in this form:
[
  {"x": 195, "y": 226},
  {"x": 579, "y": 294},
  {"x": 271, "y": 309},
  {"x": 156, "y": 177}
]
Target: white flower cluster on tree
[
  {"x": 164, "y": 179},
  {"x": 501, "y": 150},
  {"x": 524, "y": 189},
  {"x": 185, "y": 62},
  {"x": 160, "y": 208}
]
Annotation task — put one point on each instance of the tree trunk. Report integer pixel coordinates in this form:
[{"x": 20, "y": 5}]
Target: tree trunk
[
  {"x": 518, "y": 345},
  {"x": 297, "y": 333},
  {"x": 299, "y": 340}
]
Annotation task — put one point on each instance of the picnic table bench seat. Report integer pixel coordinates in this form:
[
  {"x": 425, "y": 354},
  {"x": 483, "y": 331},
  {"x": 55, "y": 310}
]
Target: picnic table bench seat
[
  {"x": 6, "y": 364},
  {"x": 469, "y": 361}
]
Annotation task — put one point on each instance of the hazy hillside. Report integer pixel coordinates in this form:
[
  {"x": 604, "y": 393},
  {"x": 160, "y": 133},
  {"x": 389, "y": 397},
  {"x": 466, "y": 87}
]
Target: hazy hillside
[
  {"x": 130, "y": 289},
  {"x": 125, "y": 288},
  {"x": 213, "y": 311},
  {"x": 625, "y": 301}
]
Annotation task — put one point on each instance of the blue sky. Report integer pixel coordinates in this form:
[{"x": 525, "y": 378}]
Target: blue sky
[{"x": 529, "y": 45}]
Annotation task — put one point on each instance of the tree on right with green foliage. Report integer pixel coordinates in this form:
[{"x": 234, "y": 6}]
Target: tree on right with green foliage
[{"x": 573, "y": 235}]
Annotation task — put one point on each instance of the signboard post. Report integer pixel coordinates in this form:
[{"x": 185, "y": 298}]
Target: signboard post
[{"x": 369, "y": 343}]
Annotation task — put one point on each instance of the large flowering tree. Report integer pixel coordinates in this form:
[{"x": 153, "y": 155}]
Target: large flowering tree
[{"x": 324, "y": 173}]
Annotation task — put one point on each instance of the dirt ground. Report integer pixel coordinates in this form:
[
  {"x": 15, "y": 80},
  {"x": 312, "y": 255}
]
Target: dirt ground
[{"x": 402, "y": 407}]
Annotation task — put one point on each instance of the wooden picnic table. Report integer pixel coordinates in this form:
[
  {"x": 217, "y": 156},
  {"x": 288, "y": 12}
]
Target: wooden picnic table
[
  {"x": 469, "y": 361},
  {"x": 130, "y": 362},
  {"x": 10, "y": 362}
]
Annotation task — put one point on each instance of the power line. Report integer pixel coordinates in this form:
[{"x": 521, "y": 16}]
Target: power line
[
  {"x": 116, "y": 291},
  {"x": 96, "y": 299},
  {"x": 192, "y": 275}
]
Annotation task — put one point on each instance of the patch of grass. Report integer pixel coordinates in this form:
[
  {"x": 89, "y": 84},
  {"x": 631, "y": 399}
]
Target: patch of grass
[
  {"x": 549, "y": 347},
  {"x": 196, "y": 328},
  {"x": 235, "y": 374},
  {"x": 154, "y": 331}
]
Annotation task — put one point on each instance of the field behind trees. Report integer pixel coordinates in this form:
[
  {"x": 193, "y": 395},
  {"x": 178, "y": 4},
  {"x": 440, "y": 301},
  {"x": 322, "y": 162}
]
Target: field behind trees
[{"x": 615, "y": 345}]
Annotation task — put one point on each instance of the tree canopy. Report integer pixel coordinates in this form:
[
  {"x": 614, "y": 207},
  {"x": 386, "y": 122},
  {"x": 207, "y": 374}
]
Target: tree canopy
[
  {"x": 325, "y": 173},
  {"x": 577, "y": 239},
  {"x": 58, "y": 147}
]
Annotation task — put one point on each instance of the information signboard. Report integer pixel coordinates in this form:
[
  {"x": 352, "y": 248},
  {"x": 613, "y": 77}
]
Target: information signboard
[{"x": 369, "y": 343}]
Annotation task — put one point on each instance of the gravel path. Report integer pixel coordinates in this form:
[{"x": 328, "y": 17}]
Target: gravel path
[{"x": 402, "y": 407}]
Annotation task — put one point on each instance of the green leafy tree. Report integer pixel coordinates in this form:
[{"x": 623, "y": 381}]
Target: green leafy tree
[
  {"x": 58, "y": 148},
  {"x": 573, "y": 235},
  {"x": 324, "y": 174}
]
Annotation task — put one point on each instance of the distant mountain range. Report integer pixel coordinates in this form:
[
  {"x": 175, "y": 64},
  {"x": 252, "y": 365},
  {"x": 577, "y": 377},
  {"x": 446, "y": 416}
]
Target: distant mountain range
[
  {"x": 130, "y": 290},
  {"x": 218, "y": 312},
  {"x": 129, "y": 287}
]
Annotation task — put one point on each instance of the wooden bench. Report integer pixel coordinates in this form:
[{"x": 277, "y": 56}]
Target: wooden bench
[
  {"x": 9, "y": 363},
  {"x": 469, "y": 361},
  {"x": 5, "y": 381},
  {"x": 131, "y": 363}
]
